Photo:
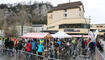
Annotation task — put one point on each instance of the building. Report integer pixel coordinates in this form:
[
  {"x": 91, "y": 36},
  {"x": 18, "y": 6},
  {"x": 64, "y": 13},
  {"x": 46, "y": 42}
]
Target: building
[
  {"x": 33, "y": 28},
  {"x": 25, "y": 30},
  {"x": 68, "y": 17},
  {"x": 38, "y": 27},
  {"x": 100, "y": 27},
  {"x": 1, "y": 32}
]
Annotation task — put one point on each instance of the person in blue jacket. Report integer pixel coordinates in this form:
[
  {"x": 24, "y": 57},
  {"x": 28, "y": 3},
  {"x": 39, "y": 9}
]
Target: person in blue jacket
[
  {"x": 40, "y": 49},
  {"x": 59, "y": 42},
  {"x": 33, "y": 43}
]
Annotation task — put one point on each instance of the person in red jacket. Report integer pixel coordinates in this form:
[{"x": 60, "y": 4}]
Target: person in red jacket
[
  {"x": 29, "y": 46},
  {"x": 87, "y": 41},
  {"x": 29, "y": 49}
]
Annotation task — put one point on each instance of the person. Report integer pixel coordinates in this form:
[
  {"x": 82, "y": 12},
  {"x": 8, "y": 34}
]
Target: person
[
  {"x": 40, "y": 50},
  {"x": 74, "y": 43},
  {"x": 33, "y": 43},
  {"x": 24, "y": 45},
  {"x": 15, "y": 42},
  {"x": 67, "y": 47},
  {"x": 83, "y": 46},
  {"x": 1, "y": 42},
  {"x": 29, "y": 49},
  {"x": 87, "y": 41},
  {"x": 99, "y": 46},
  {"x": 19, "y": 47},
  {"x": 92, "y": 47},
  {"x": 11, "y": 45},
  {"x": 59, "y": 42},
  {"x": 56, "y": 49},
  {"x": 29, "y": 46},
  {"x": 52, "y": 50},
  {"x": 41, "y": 41},
  {"x": 6, "y": 43}
]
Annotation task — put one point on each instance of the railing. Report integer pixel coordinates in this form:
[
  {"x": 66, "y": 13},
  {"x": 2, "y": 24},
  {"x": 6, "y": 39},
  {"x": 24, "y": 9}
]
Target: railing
[
  {"x": 23, "y": 55},
  {"x": 99, "y": 55}
]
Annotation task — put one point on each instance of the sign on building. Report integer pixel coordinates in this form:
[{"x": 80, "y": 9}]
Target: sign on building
[{"x": 71, "y": 30}]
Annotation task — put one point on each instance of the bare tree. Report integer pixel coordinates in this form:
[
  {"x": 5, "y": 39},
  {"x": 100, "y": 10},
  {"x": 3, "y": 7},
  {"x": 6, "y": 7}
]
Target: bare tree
[
  {"x": 23, "y": 18},
  {"x": 1, "y": 18}
]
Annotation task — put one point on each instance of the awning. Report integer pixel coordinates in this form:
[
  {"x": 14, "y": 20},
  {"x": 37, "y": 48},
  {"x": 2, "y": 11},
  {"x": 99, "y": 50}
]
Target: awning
[
  {"x": 61, "y": 35},
  {"x": 37, "y": 35}
]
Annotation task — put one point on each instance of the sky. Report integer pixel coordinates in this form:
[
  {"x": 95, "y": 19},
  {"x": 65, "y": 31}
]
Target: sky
[{"x": 93, "y": 8}]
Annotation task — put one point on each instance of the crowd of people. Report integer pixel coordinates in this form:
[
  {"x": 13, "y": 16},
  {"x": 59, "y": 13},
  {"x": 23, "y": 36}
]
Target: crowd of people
[
  {"x": 57, "y": 48},
  {"x": 28, "y": 45}
]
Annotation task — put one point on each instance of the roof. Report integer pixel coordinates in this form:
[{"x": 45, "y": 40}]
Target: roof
[
  {"x": 97, "y": 24},
  {"x": 38, "y": 25},
  {"x": 61, "y": 34},
  {"x": 36, "y": 35},
  {"x": 70, "y": 5},
  {"x": 79, "y": 35}
]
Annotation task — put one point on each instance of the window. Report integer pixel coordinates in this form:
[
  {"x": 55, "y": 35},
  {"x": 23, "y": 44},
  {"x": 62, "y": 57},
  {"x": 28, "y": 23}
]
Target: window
[
  {"x": 71, "y": 30},
  {"x": 50, "y": 27},
  {"x": 65, "y": 10},
  {"x": 65, "y": 15},
  {"x": 102, "y": 31},
  {"x": 74, "y": 26},
  {"x": 51, "y": 16},
  {"x": 97, "y": 26},
  {"x": 92, "y": 30},
  {"x": 101, "y": 26}
]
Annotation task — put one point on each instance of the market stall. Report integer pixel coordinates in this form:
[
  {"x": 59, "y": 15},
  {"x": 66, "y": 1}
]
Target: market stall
[
  {"x": 61, "y": 35},
  {"x": 41, "y": 37}
]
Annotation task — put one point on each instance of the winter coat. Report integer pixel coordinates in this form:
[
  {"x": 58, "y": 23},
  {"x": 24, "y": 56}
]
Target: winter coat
[
  {"x": 83, "y": 44},
  {"x": 59, "y": 42},
  {"x": 33, "y": 43},
  {"x": 74, "y": 42},
  {"x": 86, "y": 42},
  {"x": 92, "y": 46},
  {"x": 11, "y": 44},
  {"x": 56, "y": 45},
  {"x": 19, "y": 46},
  {"x": 6, "y": 43},
  {"x": 40, "y": 48},
  {"x": 29, "y": 47},
  {"x": 16, "y": 42}
]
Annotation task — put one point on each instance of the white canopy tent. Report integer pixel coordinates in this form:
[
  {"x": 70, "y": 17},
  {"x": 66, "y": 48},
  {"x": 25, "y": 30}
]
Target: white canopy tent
[{"x": 61, "y": 35}]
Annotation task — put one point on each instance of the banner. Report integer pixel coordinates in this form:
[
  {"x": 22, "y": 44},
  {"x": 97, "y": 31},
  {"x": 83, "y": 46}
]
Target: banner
[
  {"x": 96, "y": 33},
  {"x": 92, "y": 35}
]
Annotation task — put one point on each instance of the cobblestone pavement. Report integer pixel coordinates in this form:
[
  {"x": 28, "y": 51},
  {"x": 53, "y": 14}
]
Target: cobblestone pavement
[{"x": 3, "y": 57}]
